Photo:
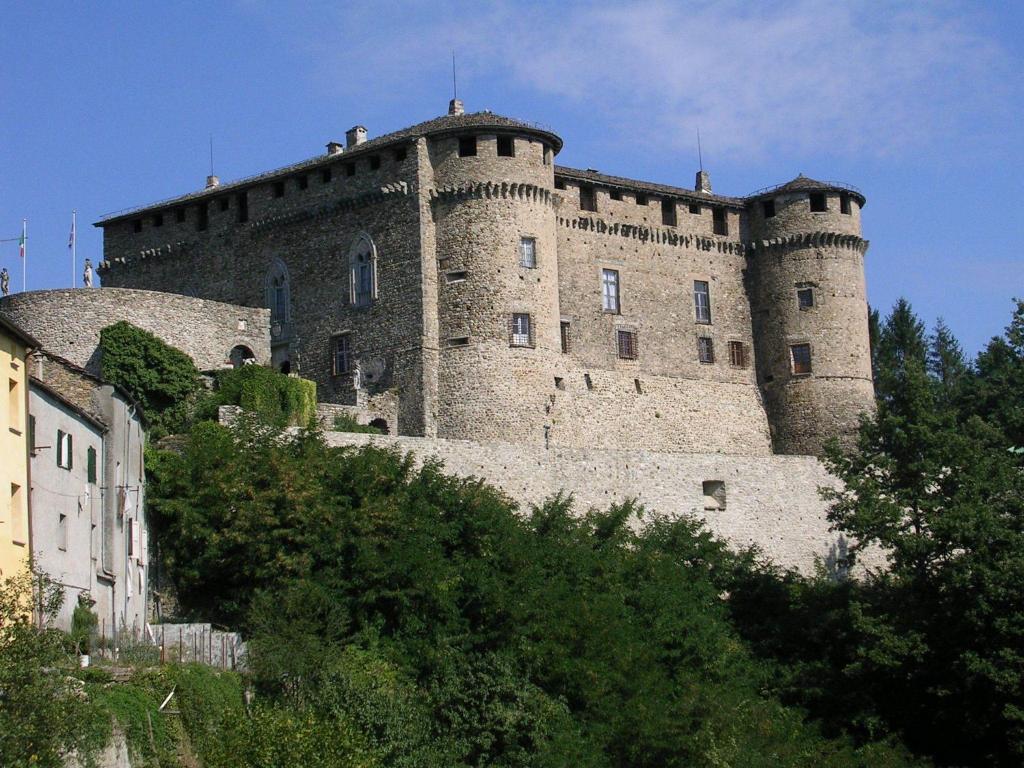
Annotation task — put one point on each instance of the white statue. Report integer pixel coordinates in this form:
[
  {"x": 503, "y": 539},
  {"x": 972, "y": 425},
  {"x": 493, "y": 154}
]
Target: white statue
[
  {"x": 5, "y": 281},
  {"x": 357, "y": 377},
  {"x": 87, "y": 274}
]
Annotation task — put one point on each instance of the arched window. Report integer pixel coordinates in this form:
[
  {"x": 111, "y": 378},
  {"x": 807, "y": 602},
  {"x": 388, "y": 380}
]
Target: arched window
[
  {"x": 278, "y": 292},
  {"x": 362, "y": 260}
]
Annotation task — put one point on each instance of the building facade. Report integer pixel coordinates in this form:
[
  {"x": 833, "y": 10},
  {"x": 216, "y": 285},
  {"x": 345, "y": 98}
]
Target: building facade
[
  {"x": 455, "y": 282},
  {"x": 89, "y": 527},
  {"x": 15, "y": 430}
]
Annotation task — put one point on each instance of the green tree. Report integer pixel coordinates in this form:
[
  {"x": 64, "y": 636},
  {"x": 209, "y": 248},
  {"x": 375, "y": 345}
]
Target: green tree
[{"x": 946, "y": 362}]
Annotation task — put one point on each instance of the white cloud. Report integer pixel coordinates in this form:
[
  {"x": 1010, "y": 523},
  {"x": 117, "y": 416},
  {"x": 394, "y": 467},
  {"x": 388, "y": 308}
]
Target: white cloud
[{"x": 794, "y": 77}]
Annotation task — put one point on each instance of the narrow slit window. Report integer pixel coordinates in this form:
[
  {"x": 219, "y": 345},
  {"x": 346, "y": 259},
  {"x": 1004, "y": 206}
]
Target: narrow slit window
[
  {"x": 458, "y": 276},
  {"x": 342, "y": 354},
  {"x": 506, "y": 146},
  {"x": 203, "y": 217},
  {"x": 702, "y": 301},
  {"x": 610, "y": 291},
  {"x": 242, "y": 204},
  {"x": 801, "y": 358},
  {"x": 566, "y": 334},
  {"x": 626, "y": 343},
  {"x": 467, "y": 146},
  {"x": 588, "y": 381}
]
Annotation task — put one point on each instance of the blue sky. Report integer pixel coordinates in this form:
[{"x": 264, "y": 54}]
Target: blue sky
[{"x": 106, "y": 106}]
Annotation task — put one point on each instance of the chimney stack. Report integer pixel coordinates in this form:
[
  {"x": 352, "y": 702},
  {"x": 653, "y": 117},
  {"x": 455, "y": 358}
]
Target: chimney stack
[
  {"x": 703, "y": 182},
  {"x": 355, "y": 136},
  {"x": 334, "y": 148},
  {"x": 455, "y": 107},
  {"x": 212, "y": 181}
]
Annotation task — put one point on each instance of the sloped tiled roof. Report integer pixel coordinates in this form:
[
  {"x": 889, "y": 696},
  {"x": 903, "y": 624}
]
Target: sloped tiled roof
[
  {"x": 804, "y": 184},
  {"x": 656, "y": 189}
]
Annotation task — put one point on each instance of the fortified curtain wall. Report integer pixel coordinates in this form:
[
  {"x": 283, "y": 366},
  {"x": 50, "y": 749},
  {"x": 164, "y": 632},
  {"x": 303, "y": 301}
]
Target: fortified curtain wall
[{"x": 770, "y": 501}]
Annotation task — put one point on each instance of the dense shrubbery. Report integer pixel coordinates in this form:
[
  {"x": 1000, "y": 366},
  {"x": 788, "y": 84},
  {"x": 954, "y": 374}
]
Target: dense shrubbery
[
  {"x": 162, "y": 379},
  {"x": 421, "y": 614},
  {"x": 278, "y": 399}
]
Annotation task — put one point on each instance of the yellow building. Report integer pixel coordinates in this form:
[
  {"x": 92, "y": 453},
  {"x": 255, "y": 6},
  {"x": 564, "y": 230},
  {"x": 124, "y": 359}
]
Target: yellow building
[{"x": 15, "y": 434}]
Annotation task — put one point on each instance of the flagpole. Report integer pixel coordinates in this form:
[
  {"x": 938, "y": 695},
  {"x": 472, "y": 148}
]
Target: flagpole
[
  {"x": 24, "y": 253},
  {"x": 74, "y": 250}
]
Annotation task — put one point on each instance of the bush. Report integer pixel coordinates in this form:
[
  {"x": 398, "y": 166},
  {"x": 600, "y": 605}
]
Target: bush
[
  {"x": 277, "y": 399},
  {"x": 344, "y": 422}
]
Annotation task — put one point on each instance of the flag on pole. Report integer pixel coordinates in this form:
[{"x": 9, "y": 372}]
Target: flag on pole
[
  {"x": 21, "y": 243},
  {"x": 71, "y": 239}
]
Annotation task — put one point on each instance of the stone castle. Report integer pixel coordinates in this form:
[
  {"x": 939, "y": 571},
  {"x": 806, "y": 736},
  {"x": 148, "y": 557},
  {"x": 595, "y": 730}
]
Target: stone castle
[{"x": 454, "y": 282}]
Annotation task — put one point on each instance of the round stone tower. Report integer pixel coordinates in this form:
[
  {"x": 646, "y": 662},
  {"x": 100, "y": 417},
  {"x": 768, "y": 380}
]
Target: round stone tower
[
  {"x": 810, "y": 313},
  {"x": 492, "y": 206}
]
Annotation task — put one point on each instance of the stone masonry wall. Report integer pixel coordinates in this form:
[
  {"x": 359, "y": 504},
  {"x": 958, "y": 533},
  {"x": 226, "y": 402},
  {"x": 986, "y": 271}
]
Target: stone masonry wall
[
  {"x": 68, "y": 323},
  {"x": 771, "y": 501}
]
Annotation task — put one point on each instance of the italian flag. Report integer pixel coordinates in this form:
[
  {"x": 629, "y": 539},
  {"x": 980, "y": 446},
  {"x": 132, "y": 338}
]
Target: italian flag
[{"x": 21, "y": 244}]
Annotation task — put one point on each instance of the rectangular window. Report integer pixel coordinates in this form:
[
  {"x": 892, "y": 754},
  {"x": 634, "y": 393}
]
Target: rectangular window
[
  {"x": 528, "y": 252},
  {"x": 364, "y": 284},
  {"x": 62, "y": 532},
  {"x": 801, "y": 358},
  {"x": 705, "y": 349},
  {"x": 768, "y": 207},
  {"x": 547, "y": 155},
  {"x": 720, "y": 224},
  {"x": 342, "y": 354},
  {"x": 65, "y": 447},
  {"x": 137, "y": 225},
  {"x": 375, "y": 163},
  {"x": 242, "y": 205},
  {"x": 737, "y": 355},
  {"x": 819, "y": 204},
  {"x": 457, "y": 276},
  {"x": 158, "y": 219},
  {"x": 805, "y": 298},
  {"x": 400, "y": 154},
  {"x": 203, "y": 217},
  {"x": 714, "y": 494},
  {"x": 702, "y": 301},
  {"x": 325, "y": 175},
  {"x": 90, "y": 456},
  {"x": 695, "y": 208},
  {"x": 588, "y": 198},
  {"x": 19, "y": 534},
  {"x": 566, "y": 333},
  {"x": 668, "y": 212},
  {"x": 350, "y": 169},
  {"x": 278, "y": 189},
  {"x": 615, "y": 194},
  {"x": 844, "y": 204},
  {"x": 14, "y": 403},
  {"x": 506, "y": 146},
  {"x": 32, "y": 434},
  {"x": 179, "y": 215},
  {"x": 302, "y": 182},
  {"x": 223, "y": 203},
  {"x": 522, "y": 331},
  {"x": 467, "y": 146},
  {"x": 610, "y": 290},
  {"x": 626, "y": 343},
  {"x": 641, "y": 198},
  {"x": 559, "y": 183}
]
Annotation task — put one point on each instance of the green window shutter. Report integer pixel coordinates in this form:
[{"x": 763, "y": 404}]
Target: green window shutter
[
  {"x": 91, "y": 461},
  {"x": 60, "y": 448},
  {"x": 71, "y": 451}
]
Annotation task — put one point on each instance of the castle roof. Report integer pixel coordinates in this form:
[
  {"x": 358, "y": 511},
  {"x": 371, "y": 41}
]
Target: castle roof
[
  {"x": 804, "y": 184},
  {"x": 663, "y": 190},
  {"x": 438, "y": 126}
]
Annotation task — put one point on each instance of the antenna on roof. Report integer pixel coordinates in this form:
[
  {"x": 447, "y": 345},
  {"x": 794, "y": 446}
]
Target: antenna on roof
[
  {"x": 455, "y": 85},
  {"x": 211, "y": 154},
  {"x": 700, "y": 156}
]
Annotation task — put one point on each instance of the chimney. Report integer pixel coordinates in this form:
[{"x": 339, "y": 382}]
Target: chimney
[
  {"x": 455, "y": 107},
  {"x": 703, "y": 182},
  {"x": 212, "y": 181},
  {"x": 355, "y": 136},
  {"x": 334, "y": 148}
]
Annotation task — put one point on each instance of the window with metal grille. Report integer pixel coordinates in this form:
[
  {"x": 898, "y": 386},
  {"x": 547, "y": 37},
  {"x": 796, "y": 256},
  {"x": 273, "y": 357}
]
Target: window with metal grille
[
  {"x": 610, "y": 290},
  {"x": 737, "y": 354},
  {"x": 528, "y": 252},
  {"x": 805, "y": 298},
  {"x": 626, "y": 342},
  {"x": 522, "y": 330},
  {"x": 720, "y": 224},
  {"x": 801, "y": 358},
  {"x": 588, "y": 198},
  {"x": 342, "y": 354},
  {"x": 702, "y": 301},
  {"x": 668, "y": 212},
  {"x": 566, "y": 334},
  {"x": 467, "y": 146},
  {"x": 705, "y": 349}
]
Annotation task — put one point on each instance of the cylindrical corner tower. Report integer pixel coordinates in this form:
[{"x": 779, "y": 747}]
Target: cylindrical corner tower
[
  {"x": 810, "y": 313},
  {"x": 497, "y": 272}
]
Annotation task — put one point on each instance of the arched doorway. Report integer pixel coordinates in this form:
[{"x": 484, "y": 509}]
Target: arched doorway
[
  {"x": 380, "y": 424},
  {"x": 241, "y": 355}
]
